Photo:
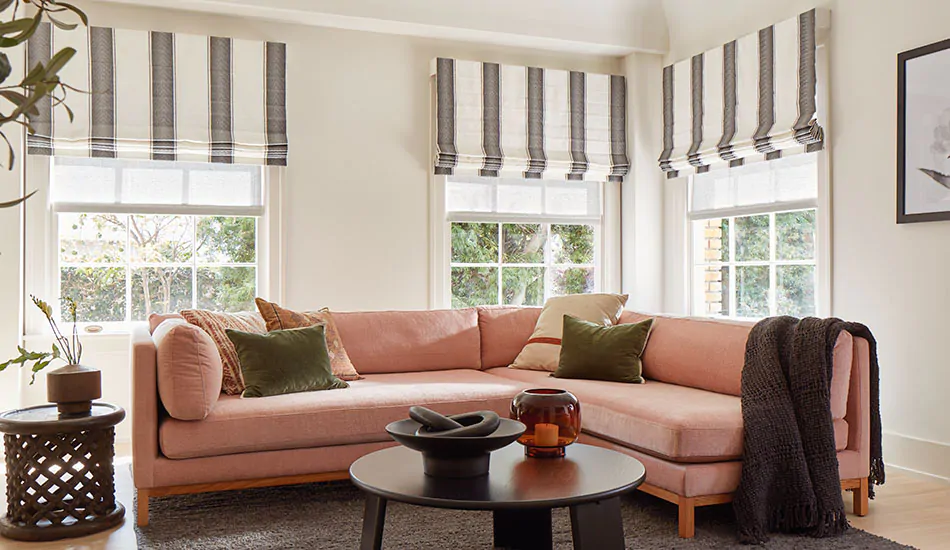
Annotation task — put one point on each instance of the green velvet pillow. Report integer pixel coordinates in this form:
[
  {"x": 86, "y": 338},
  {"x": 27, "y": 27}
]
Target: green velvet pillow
[
  {"x": 596, "y": 352},
  {"x": 284, "y": 361}
]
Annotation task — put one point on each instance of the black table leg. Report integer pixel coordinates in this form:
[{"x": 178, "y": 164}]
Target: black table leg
[
  {"x": 523, "y": 529},
  {"x": 374, "y": 518},
  {"x": 597, "y": 525}
]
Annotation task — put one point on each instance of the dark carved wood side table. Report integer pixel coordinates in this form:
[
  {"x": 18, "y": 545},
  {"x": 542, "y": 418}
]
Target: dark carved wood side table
[{"x": 60, "y": 478}]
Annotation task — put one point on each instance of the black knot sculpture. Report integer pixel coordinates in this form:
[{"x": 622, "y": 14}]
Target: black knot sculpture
[{"x": 458, "y": 445}]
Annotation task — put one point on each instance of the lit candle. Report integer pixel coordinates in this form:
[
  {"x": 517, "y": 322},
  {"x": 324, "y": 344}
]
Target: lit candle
[{"x": 545, "y": 435}]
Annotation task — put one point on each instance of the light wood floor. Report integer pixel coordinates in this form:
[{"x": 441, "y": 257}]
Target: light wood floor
[{"x": 911, "y": 509}]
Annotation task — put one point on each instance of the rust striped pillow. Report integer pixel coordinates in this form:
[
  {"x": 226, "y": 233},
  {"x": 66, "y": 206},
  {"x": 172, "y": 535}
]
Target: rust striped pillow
[
  {"x": 215, "y": 323},
  {"x": 278, "y": 318}
]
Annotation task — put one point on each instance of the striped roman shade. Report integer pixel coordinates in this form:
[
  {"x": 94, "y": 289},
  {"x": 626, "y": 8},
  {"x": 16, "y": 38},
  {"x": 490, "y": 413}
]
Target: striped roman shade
[
  {"x": 163, "y": 96},
  {"x": 502, "y": 120},
  {"x": 751, "y": 99}
]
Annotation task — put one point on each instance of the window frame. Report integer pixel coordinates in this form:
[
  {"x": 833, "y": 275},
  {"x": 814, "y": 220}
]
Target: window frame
[
  {"x": 822, "y": 258},
  {"x": 773, "y": 263},
  {"x": 606, "y": 234},
  {"x": 42, "y": 263}
]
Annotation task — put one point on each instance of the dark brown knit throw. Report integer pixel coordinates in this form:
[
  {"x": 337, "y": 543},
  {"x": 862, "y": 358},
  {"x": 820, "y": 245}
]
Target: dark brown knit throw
[{"x": 789, "y": 479}]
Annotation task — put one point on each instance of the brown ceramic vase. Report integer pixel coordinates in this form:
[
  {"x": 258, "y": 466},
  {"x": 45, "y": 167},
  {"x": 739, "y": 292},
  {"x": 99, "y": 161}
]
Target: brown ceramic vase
[{"x": 73, "y": 388}]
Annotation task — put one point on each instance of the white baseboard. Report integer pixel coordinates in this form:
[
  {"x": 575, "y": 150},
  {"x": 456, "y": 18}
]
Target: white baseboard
[{"x": 930, "y": 458}]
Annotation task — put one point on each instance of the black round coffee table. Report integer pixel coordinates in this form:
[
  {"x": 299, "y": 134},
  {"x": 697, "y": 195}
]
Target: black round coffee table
[{"x": 520, "y": 491}]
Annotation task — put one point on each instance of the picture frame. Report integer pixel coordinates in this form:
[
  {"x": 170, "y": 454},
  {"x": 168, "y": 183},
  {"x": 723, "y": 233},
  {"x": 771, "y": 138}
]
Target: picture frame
[{"x": 923, "y": 134}]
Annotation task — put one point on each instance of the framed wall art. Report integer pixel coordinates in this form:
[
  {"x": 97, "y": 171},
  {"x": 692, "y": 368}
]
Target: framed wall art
[{"x": 923, "y": 134}]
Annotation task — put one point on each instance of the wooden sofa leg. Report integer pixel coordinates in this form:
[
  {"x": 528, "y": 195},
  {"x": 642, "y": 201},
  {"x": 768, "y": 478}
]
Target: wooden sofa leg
[
  {"x": 141, "y": 517},
  {"x": 687, "y": 517},
  {"x": 859, "y": 498}
]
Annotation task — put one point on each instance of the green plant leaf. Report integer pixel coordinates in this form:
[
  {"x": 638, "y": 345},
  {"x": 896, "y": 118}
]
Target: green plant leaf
[
  {"x": 26, "y": 33},
  {"x": 62, "y": 25},
  {"x": 14, "y": 202},
  {"x": 18, "y": 99},
  {"x": 17, "y": 25},
  {"x": 35, "y": 75},
  {"x": 74, "y": 9},
  {"x": 58, "y": 61},
  {"x": 5, "y": 68}
]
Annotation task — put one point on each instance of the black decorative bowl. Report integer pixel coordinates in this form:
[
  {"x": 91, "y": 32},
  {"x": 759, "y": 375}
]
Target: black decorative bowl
[{"x": 455, "y": 456}]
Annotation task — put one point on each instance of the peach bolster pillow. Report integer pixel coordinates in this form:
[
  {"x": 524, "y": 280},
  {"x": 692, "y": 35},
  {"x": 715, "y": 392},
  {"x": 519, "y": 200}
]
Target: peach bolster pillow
[{"x": 189, "y": 369}]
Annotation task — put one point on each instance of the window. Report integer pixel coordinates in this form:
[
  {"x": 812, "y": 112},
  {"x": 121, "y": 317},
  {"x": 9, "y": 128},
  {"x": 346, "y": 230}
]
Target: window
[
  {"x": 519, "y": 242},
  {"x": 142, "y": 237},
  {"x": 754, "y": 243}
]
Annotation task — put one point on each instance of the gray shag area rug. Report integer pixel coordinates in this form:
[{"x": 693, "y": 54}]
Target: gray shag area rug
[{"x": 329, "y": 516}]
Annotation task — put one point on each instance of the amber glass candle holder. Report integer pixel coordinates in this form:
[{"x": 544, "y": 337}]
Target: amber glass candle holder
[{"x": 552, "y": 418}]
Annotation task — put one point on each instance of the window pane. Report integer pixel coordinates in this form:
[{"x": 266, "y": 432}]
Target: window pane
[
  {"x": 752, "y": 291},
  {"x": 92, "y": 238},
  {"x": 795, "y": 290},
  {"x": 795, "y": 235},
  {"x": 714, "y": 292},
  {"x": 160, "y": 290},
  {"x": 99, "y": 292},
  {"x": 711, "y": 241},
  {"x": 572, "y": 244},
  {"x": 227, "y": 288},
  {"x": 752, "y": 239},
  {"x": 474, "y": 286},
  {"x": 225, "y": 239},
  {"x": 523, "y": 243},
  {"x": 573, "y": 280},
  {"x": 161, "y": 239},
  {"x": 523, "y": 286},
  {"x": 475, "y": 243}
]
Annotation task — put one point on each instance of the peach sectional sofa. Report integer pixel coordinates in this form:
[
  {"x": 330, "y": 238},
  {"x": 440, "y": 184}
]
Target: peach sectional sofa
[{"x": 684, "y": 424}]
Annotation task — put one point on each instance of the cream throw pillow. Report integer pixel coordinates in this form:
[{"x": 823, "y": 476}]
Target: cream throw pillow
[{"x": 543, "y": 349}]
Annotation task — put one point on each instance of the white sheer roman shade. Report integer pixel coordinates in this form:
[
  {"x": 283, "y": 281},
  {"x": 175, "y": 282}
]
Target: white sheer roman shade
[
  {"x": 475, "y": 198},
  {"x": 149, "y": 187},
  {"x": 784, "y": 184},
  {"x": 164, "y": 96},
  {"x": 753, "y": 98},
  {"x": 525, "y": 122}
]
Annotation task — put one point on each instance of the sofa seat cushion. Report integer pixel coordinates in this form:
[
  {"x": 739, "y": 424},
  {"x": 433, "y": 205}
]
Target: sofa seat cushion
[
  {"x": 672, "y": 422},
  {"x": 357, "y": 414}
]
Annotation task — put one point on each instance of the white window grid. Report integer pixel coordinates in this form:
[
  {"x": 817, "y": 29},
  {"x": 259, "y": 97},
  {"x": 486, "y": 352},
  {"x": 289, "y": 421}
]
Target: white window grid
[
  {"x": 732, "y": 264},
  {"x": 129, "y": 265},
  {"x": 548, "y": 264}
]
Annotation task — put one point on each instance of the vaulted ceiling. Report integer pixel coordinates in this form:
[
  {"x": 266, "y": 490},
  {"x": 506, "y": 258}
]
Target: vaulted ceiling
[{"x": 606, "y": 27}]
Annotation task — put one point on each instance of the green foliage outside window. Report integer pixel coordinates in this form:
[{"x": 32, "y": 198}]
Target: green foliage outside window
[
  {"x": 794, "y": 284},
  {"x": 166, "y": 262},
  {"x": 509, "y": 262}
]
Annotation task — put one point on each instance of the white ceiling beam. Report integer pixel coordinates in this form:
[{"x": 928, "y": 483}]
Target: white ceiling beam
[{"x": 597, "y": 27}]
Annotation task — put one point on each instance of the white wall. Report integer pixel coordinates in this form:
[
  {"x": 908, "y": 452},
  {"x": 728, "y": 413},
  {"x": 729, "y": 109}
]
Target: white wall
[
  {"x": 355, "y": 191},
  {"x": 893, "y": 278},
  {"x": 642, "y": 192}
]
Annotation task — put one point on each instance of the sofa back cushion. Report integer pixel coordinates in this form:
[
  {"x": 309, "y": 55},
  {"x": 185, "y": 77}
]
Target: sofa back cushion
[
  {"x": 410, "y": 341},
  {"x": 709, "y": 354},
  {"x": 505, "y": 330},
  {"x": 189, "y": 369}
]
